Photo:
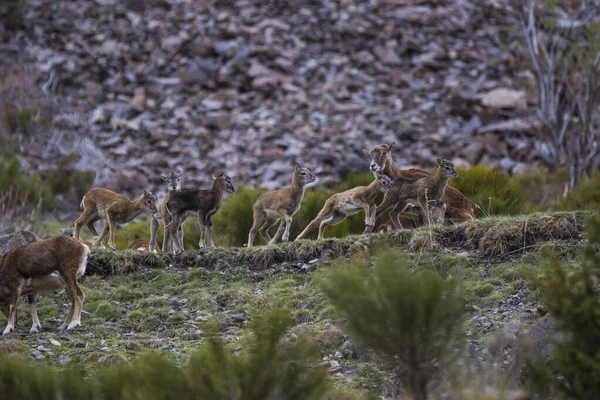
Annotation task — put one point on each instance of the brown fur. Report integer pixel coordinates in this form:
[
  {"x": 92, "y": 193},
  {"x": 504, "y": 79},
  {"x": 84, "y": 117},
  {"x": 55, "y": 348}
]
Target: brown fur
[
  {"x": 69, "y": 232},
  {"x": 29, "y": 269},
  {"x": 161, "y": 217},
  {"x": 139, "y": 244},
  {"x": 458, "y": 207},
  {"x": 427, "y": 193},
  {"x": 279, "y": 206},
  {"x": 101, "y": 203},
  {"x": 204, "y": 203},
  {"x": 341, "y": 205}
]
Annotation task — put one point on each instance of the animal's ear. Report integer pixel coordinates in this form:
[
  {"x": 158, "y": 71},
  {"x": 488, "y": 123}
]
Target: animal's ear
[
  {"x": 145, "y": 193},
  {"x": 181, "y": 173},
  {"x": 389, "y": 146},
  {"x": 379, "y": 177},
  {"x": 214, "y": 177},
  {"x": 164, "y": 178},
  {"x": 296, "y": 168},
  {"x": 367, "y": 152},
  {"x": 224, "y": 175},
  {"x": 439, "y": 162}
]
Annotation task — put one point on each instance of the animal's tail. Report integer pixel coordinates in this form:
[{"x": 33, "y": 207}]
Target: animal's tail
[{"x": 81, "y": 204}]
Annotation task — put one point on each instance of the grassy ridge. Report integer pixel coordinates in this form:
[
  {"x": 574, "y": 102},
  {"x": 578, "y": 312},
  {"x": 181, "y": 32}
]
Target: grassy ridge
[{"x": 489, "y": 237}]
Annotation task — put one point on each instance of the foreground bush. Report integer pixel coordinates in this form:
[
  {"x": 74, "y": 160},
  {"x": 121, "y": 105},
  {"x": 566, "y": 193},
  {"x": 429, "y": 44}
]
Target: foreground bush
[
  {"x": 573, "y": 302},
  {"x": 413, "y": 320},
  {"x": 270, "y": 366}
]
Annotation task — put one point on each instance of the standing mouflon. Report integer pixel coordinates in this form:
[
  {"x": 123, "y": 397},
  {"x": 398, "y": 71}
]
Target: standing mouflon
[
  {"x": 341, "y": 205},
  {"x": 173, "y": 181},
  {"x": 204, "y": 203},
  {"x": 101, "y": 203},
  {"x": 279, "y": 206},
  {"x": 458, "y": 207},
  {"x": 426, "y": 192}
]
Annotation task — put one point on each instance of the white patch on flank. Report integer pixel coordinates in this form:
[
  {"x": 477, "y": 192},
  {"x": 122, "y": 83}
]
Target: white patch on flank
[{"x": 83, "y": 264}]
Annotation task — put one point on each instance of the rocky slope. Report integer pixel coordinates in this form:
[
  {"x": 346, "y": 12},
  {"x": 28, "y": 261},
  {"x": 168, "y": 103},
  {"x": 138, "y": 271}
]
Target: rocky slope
[{"x": 253, "y": 87}]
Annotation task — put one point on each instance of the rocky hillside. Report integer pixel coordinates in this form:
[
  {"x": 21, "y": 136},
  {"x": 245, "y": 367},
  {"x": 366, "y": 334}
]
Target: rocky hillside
[{"x": 254, "y": 86}]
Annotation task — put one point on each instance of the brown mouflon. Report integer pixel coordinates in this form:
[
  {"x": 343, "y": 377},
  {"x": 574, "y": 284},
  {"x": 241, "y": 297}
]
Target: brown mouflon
[
  {"x": 101, "y": 203},
  {"x": 279, "y": 206},
  {"x": 29, "y": 270},
  {"x": 341, "y": 205}
]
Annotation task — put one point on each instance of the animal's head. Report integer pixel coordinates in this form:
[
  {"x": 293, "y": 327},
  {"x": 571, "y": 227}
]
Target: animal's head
[
  {"x": 447, "y": 168},
  {"x": 383, "y": 183},
  {"x": 304, "y": 175},
  {"x": 173, "y": 179},
  {"x": 379, "y": 155},
  {"x": 149, "y": 201},
  {"x": 68, "y": 231},
  {"x": 226, "y": 181}
]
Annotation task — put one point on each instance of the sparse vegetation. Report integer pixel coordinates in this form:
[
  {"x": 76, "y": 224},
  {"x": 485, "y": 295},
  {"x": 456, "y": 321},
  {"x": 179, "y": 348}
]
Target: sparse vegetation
[
  {"x": 571, "y": 298},
  {"x": 412, "y": 320}
]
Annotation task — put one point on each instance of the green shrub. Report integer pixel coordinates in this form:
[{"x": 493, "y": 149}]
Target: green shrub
[
  {"x": 413, "y": 320},
  {"x": 234, "y": 220},
  {"x": 63, "y": 178},
  {"x": 585, "y": 196},
  {"x": 571, "y": 297},
  {"x": 28, "y": 187},
  {"x": 490, "y": 191},
  {"x": 270, "y": 365},
  {"x": 541, "y": 188}
]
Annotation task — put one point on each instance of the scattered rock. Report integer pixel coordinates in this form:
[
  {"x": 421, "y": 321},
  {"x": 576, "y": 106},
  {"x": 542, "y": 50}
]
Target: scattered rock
[{"x": 505, "y": 98}]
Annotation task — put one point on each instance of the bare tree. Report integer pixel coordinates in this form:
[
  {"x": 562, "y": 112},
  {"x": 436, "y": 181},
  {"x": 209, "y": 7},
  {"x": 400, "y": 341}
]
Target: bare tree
[{"x": 563, "y": 43}]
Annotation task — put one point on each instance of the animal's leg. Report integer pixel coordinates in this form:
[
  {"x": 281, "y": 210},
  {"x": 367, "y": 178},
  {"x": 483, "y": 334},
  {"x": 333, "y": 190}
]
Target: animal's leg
[
  {"x": 166, "y": 246},
  {"x": 14, "y": 301},
  {"x": 325, "y": 213},
  {"x": 87, "y": 216},
  {"x": 34, "y": 315},
  {"x": 153, "y": 231},
  {"x": 258, "y": 221},
  {"x": 264, "y": 230},
  {"x": 333, "y": 219},
  {"x": 209, "y": 226},
  {"x": 279, "y": 232},
  {"x": 91, "y": 226},
  {"x": 202, "y": 222},
  {"x": 102, "y": 235},
  {"x": 288, "y": 225},
  {"x": 113, "y": 227},
  {"x": 395, "y": 213}
]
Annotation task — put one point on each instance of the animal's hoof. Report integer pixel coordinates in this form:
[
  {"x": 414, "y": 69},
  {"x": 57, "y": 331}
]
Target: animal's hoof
[
  {"x": 33, "y": 330},
  {"x": 73, "y": 325},
  {"x": 7, "y": 331}
]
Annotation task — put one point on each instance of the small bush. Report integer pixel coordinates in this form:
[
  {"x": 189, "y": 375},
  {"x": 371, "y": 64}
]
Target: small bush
[
  {"x": 29, "y": 187},
  {"x": 271, "y": 365},
  {"x": 233, "y": 221},
  {"x": 585, "y": 196},
  {"x": 541, "y": 188},
  {"x": 413, "y": 320},
  {"x": 492, "y": 192},
  {"x": 571, "y": 297}
]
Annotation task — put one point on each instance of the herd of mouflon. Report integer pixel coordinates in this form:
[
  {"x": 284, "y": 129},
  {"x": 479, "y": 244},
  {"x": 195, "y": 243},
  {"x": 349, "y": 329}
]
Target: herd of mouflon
[{"x": 58, "y": 263}]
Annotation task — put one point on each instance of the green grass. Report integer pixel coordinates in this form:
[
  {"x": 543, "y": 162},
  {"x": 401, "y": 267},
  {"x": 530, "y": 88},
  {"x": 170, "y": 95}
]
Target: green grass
[{"x": 169, "y": 303}]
